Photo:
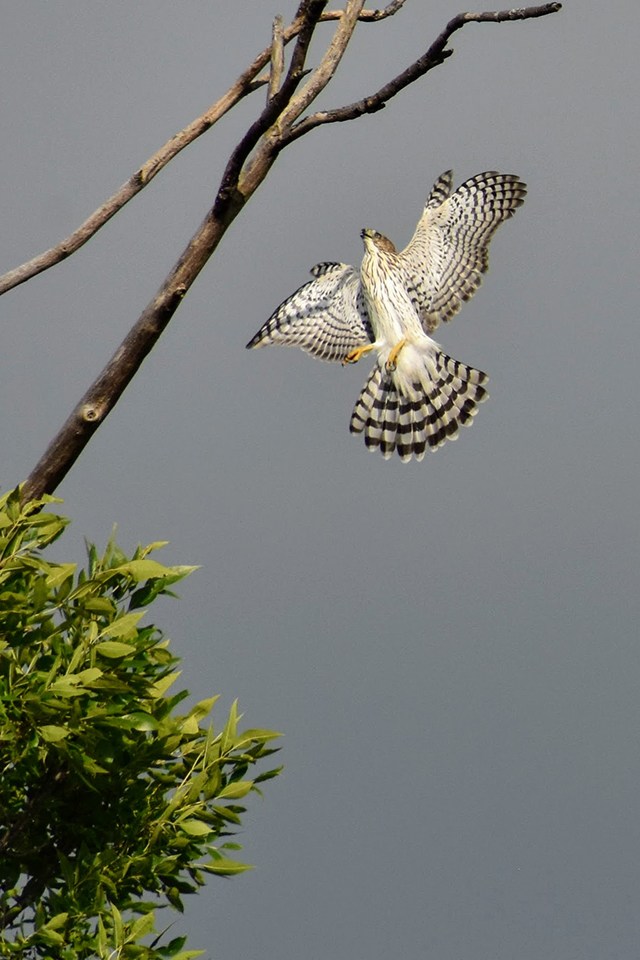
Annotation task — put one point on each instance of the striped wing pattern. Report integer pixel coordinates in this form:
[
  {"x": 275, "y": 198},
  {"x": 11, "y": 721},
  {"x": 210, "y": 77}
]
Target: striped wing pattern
[
  {"x": 448, "y": 253},
  {"x": 326, "y": 317},
  {"x": 410, "y": 425},
  {"x": 441, "y": 267}
]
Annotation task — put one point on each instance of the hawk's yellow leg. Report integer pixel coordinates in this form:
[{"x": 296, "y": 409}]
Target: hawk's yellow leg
[
  {"x": 393, "y": 356},
  {"x": 356, "y": 354}
]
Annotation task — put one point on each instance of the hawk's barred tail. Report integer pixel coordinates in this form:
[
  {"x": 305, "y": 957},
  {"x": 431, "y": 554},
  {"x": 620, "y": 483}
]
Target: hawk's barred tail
[{"x": 393, "y": 420}]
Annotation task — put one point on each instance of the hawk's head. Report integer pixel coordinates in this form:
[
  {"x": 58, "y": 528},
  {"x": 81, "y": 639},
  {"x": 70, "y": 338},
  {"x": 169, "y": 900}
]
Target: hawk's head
[{"x": 374, "y": 240}]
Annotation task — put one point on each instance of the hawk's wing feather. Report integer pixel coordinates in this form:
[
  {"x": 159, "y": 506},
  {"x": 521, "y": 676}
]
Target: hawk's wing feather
[
  {"x": 448, "y": 253},
  {"x": 440, "y": 190},
  {"x": 326, "y": 317}
]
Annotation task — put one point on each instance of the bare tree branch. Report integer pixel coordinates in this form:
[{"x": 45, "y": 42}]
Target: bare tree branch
[
  {"x": 435, "y": 55},
  {"x": 368, "y": 16},
  {"x": 246, "y": 169},
  {"x": 244, "y": 85},
  {"x": 273, "y": 112},
  {"x": 107, "y": 389},
  {"x": 277, "y": 57},
  {"x": 328, "y": 65}
]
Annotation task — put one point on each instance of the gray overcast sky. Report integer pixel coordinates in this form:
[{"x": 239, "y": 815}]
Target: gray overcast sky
[{"x": 450, "y": 647}]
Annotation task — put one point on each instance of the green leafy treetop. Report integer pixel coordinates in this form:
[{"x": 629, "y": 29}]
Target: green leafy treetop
[{"x": 111, "y": 804}]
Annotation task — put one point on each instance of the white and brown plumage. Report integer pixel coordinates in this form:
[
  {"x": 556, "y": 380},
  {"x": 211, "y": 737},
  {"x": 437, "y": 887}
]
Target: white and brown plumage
[{"x": 416, "y": 396}]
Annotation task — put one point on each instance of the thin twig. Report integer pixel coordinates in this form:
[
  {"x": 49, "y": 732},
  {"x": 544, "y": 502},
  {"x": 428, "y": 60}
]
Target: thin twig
[
  {"x": 275, "y": 109},
  {"x": 135, "y": 183},
  {"x": 435, "y": 55},
  {"x": 327, "y": 66},
  {"x": 247, "y": 83},
  {"x": 277, "y": 58},
  {"x": 493, "y": 16},
  {"x": 367, "y": 16}
]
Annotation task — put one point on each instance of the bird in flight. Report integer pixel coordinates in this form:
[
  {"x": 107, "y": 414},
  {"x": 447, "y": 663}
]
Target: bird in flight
[{"x": 416, "y": 396}]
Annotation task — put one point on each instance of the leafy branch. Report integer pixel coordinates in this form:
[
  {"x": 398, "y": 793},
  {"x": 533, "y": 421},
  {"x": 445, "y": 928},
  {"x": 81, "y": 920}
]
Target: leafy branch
[{"x": 107, "y": 794}]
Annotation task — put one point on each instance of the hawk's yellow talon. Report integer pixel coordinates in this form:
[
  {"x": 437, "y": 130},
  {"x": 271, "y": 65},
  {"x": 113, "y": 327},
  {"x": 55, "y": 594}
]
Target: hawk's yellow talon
[
  {"x": 393, "y": 356},
  {"x": 356, "y": 354}
]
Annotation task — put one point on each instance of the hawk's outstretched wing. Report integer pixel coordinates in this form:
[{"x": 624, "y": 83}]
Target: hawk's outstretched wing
[
  {"x": 326, "y": 317},
  {"x": 448, "y": 253}
]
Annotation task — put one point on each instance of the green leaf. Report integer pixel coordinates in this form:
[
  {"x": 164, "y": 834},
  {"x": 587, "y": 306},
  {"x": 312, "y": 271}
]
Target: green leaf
[
  {"x": 89, "y": 675},
  {"x": 140, "y": 570},
  {"x": 156, "y": 545},
  {"x": 195, "y": 828},
  {"x": 142, "y": 721},
  {"x": 60, "y": 573},
  {"x": 69, "y": 686},
  {"x": 173, "y": 946},
  {"x": 226, "y": 867},
  {"x": 53, "y": 733},
  {"x": 190, "y": 725},
  {"x": 234, "y": 791},
  {"x": 256, "y": 736},
  {"x": 100, "y": 605},
  {"x": 50, "y": 937},
  {"x": 114, "y": 649},
  {"x": 227, "y": 814},
  {"x": 43, "y": 519},
  {"x": 268, "y": 775},
  {"x": 56, "y": 922},
  {"x": 124, "y": 625},
  {"x": 202, "y": 708},
  {"x": 161, "y": 686},
  {"x": 173, "y": 896},
  {"x": 118, "y": 928},
  {"x": 230, "y": 727},
  {"x": 102, "y": 938},
  {"x": 142, "y": 926},
  {"x": 213, "y": 782}
]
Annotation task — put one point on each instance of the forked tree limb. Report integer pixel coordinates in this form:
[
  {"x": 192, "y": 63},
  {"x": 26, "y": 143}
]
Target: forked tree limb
[
  {"x": 278, "y": 125},
  {"x": 247, "y": 83},
  {"x": 435, "y": 55}
]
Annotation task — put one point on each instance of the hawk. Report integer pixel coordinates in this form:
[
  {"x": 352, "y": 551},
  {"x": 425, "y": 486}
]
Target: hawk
[{"x": 416, "y": 396}]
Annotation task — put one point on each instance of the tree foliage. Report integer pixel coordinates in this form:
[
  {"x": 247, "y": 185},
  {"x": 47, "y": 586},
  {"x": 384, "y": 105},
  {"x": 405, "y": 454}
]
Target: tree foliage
[{"x": 112, "y": 804}]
